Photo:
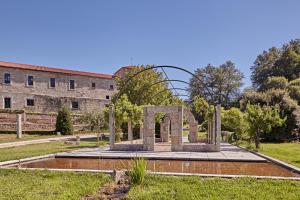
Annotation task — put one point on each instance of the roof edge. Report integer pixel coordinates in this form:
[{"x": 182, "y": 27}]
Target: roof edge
[{"x": 54, "y": 70}]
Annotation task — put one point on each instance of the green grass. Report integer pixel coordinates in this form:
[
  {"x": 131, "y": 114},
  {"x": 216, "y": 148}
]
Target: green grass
[
  {"x": 12, "y": 137},
  {"x": 47, "y": 185},
  {"x": 287, "y": 152},
  {"x": 42, "y": 149},
  {"x": 200, "y": 134},
  {"x": 190, "y": 188}
]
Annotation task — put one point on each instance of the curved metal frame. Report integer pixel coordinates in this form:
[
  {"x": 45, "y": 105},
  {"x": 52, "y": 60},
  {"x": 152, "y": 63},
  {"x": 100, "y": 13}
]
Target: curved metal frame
[
  {"x": 170, "y": 89},
  {"x": 155, "y": 67}
]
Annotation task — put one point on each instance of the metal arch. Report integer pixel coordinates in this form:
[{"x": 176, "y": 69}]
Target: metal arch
[
  {"x": 167, "y": 89},
  {"x": 167, "y": 77},
  {"x": 162, "y": 81},
  {"x": 175, "y": 95},
  {"x": 155, "y": 67}
]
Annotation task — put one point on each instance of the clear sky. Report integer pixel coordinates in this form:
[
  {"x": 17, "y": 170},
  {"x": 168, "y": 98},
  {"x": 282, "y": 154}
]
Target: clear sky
[{"x": 101, "y": 36}]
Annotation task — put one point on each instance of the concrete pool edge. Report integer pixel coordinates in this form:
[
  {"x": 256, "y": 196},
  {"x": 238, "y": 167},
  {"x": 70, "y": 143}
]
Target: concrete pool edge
[
  {"x": 274, "y": 160},
  {"x": 111, "y": 172},
  {"x": 156, "y": 158},
  {"x": 3, "y": 164}
]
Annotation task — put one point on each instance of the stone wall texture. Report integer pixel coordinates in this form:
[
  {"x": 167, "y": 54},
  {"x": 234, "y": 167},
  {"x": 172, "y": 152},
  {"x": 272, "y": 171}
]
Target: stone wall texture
[
  {"x": 36, "y": 122},
  {"x": 48, "y": 99}
]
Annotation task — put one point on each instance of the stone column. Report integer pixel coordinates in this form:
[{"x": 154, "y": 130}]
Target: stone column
[
  {"x": 19, "y": 126},
  {"x": 165, "y": 130},
  {"x": 111, "y": 127},
  {"x": 193, "y": 132},
  {"x": 176, "y": 130},
  {"x": 213, "y": 128},
  {"x": 130, "y": 136},
  {"x": 141, "y": 130},
  {"x": 149, "y": 130},
  {"x": 218, "y": 126}
]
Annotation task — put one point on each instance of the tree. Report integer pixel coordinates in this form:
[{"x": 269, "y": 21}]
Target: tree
[
  {"x": 125, "y": 111},
  {"x": 64, "y": 122},
  {"x": 95, "y": 120},
  {"x": 284, "y": 61},
  {"x": 262, "y": 120},
  {"x": 275, "y": 82},
  {"x": 218, "y": 85},
  {"x": 287, "y": 106},
  {"x": 233, "y": 120},
  {"x": 201, "y": 109},
  {"x": 140, "y": 89}
]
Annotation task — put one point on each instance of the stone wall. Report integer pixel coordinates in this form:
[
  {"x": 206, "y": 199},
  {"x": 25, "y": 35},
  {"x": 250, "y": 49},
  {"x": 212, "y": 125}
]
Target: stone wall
[
  {"x": 35, "y": 122},
  {"x": 50, "y": 99}
]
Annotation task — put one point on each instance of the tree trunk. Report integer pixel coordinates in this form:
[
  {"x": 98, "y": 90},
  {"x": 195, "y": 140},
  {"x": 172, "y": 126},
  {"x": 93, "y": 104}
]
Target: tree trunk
[{"x": 257, "y": 142}]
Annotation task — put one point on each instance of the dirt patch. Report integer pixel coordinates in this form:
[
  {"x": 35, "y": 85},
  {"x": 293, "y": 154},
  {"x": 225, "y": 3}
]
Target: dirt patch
[{"x": 112, "y": 191}]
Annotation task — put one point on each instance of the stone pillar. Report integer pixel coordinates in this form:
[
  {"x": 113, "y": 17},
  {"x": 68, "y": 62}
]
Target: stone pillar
[
  {"x": 111, "y": 127},
  {"x": 130, "y": 136},
  {"x": 213, "y": 128},
  {"x": 165, "y": 130},
  {"x": 19, "y": 126},
  {"x": 176, "y": 130},
  {"x": 218, "y": 126},
  {"x": 149, "y": 130},
  {"x": 193, "y": 132},
  {"x": 141, "y": 130}
]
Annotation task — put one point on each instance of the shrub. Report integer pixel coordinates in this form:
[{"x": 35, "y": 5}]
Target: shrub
[
  {"x": 138, "y": 171},
  {"x": 274, "y": 82},
  {"x": 262, "y": 120},
  {"x": 63, "y": 122},
  {"x": 95, "y": 120},
  {"x": 118, "y": 137},
  {"x": 233, "y": 120}
]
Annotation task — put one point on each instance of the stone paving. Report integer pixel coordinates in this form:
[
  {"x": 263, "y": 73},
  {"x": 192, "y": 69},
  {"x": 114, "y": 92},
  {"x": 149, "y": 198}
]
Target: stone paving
[{"x": 228, "y": 153}]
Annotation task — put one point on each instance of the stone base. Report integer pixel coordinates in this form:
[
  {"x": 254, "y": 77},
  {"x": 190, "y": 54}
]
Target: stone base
[
  {"x": 127, "y": 147},
  {"x": 201, "y": 148}
]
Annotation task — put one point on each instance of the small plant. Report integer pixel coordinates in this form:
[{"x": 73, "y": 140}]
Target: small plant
[
  {"x": 64, "y": 122},
  {"x": 138, "y": 171}
]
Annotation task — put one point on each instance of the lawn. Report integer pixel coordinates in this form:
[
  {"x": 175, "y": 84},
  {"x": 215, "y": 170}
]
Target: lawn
[
  {"x": 47, "y": 185},
  {"x": 214, "y": 188},
  {"x": 42, "y": 149},
  {"x": 12, "y": 137},
  {"x": 287, "y": 152}
]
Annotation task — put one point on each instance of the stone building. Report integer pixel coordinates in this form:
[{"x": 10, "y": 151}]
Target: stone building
[{"x": 43, "y": 89}]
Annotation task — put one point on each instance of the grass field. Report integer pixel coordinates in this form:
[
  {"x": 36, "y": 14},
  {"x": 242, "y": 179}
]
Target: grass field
[
  {"x": 189, "y": 188},
  {"x": 287, "y": 152},
  {"x": 42, "y": 149},
  {"x": 12, "y": 137},
  {"x": 46, "y": 185}
]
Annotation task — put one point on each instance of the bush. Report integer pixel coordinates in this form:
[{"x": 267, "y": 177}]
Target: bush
[
  {"x": 138, "y": 171},
  {"x": 118, "y": 137},
  {"x": 63, "y": 122},
  {"x": 233, "y": 120}
]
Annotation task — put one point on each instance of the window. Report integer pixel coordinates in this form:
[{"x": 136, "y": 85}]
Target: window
[
  {"x": 107, "y": 96},
  {"x": 111, "y": 87},
  {"x": 52, "y": 82},
  {"x": 7, "y": 102},
  {"x": 7, "y": 78},
  {"x": 30, "y": 102},
  {"x": 75, "y": 105},
  {"x": 93, "y": 85},
  {"x": 29, "y": 80},
  {"x": 72, "y": 85}
]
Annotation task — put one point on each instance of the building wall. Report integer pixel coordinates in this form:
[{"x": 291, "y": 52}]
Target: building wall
[{"x": 51, "y": 99}]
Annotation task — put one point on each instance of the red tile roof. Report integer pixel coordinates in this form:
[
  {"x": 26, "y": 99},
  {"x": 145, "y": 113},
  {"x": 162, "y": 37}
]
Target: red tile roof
[{"x": 55, "y": 70}]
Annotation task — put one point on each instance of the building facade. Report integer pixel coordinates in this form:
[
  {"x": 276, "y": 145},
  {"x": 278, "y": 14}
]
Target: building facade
[{"x": 42, "y": 89}]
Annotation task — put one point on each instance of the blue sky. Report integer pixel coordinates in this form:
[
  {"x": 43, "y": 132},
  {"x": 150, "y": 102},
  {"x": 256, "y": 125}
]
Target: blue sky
[{"x": 101, "y": 36}]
